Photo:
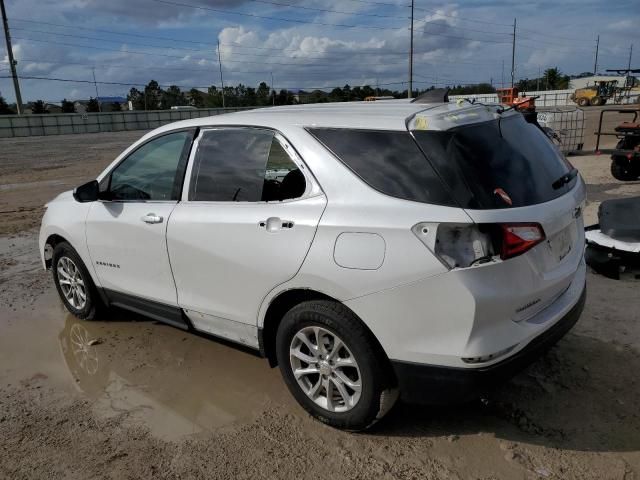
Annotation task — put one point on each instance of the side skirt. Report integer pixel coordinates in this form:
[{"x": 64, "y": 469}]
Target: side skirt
[{"x": 169, "y": 314}]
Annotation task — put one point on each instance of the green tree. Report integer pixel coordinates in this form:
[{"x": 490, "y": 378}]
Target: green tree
[
  {"x": 263, "y": 94},
  {"x": 136, "y": 97},
  {"x": 197, "y": 98},
  {"x": 153, "y": 94},
  {"x": 39, "y": 107},
  {"x": 172, "y": 97},
  {"x": 4, "y": 107},
  {"x": 115, "y": 107},
  {"x": 68, "y": 107},
  {"x": 554, "y": 79},
  {"x": 93, "y": 105}
]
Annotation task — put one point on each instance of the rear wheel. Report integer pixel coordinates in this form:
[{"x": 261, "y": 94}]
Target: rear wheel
[
  {"x": 73, "y": 282},
  {"x": 333, "y": 366},
  {"x": 621, "y": 169},
  {"x": 597, "y": 101}
]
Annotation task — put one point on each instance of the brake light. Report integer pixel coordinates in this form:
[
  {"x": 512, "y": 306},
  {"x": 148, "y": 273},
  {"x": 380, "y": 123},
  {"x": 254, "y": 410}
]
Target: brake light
[{"x": 518, "y": 238}]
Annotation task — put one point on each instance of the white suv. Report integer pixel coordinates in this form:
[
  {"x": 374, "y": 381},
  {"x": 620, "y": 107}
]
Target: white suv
[{"x": 368, "y": 249}]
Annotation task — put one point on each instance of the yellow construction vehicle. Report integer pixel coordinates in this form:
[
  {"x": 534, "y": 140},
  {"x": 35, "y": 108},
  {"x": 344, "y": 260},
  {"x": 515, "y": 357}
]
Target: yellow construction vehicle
[{"x": 596, "y": 94}]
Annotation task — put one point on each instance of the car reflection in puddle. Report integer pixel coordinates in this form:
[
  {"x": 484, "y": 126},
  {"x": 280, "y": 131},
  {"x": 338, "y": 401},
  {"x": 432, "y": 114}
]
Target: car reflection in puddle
[{"x": 172, "y": 382}]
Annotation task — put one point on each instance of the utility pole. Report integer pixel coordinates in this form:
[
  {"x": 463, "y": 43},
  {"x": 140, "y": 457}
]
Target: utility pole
[
  {"x": 274, "y": 90},
  {"x": 630, "y": 54},
  {"x": 502, "y": 83},
  {"x": 513, "y": 54},
  {"x": 12, "y": 62},
  {"x": 221, "y": 80},
  {"x": 95, "y": 84},
  {"x": 595, "y": 64},
  {"x": 410, "y": 91}
]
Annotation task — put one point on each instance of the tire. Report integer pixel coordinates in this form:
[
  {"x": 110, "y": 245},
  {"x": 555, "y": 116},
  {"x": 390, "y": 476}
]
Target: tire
[
  {"x": 621, "y": 169},
  {"x": 597, "y": 101},
  {"x": 72, "y": 279},
  {"x": 332, "y": 322},
  {"x": 583, "y": 102}
]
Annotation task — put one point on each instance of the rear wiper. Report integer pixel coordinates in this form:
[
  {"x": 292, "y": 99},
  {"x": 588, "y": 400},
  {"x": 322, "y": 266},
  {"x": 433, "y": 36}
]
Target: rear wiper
[{"x": 564, "y": 179}]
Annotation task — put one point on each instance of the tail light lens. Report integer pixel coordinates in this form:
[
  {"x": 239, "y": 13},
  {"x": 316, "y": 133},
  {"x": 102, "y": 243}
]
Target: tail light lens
[
  {"x": 465, "y": 245},
  {"x": 518, "y": 238}
]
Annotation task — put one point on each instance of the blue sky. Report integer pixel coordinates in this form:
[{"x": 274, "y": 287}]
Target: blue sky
[{"x": 304, "y": 43}]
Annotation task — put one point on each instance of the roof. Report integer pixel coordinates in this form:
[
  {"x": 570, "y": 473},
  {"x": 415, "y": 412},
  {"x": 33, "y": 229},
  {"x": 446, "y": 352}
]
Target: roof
[{"x": 383, "y": 115}]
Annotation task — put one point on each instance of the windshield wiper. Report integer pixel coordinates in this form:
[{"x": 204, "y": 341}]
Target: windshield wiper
[{"x": 564, "y": 179}]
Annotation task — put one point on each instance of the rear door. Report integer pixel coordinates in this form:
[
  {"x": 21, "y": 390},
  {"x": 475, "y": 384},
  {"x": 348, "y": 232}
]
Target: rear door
[
  {"x": 245, "y": 224},
  {"x": 506, "y": 171}
]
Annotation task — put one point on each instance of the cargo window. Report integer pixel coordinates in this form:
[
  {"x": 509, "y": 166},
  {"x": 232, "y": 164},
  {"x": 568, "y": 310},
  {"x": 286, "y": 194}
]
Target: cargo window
[
  {"x": 388, "y": 161},
  {"x": 497, "y": 164}
]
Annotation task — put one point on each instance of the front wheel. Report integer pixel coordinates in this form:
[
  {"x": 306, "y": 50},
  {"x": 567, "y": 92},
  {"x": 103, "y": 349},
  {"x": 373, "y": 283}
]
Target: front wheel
[
  {"x": 73, "y": 282},
  {"x": 333, "y": 366}
]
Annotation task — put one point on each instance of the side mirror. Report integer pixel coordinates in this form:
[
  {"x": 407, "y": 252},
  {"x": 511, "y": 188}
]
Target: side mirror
[{"x": 88, "y": 192}]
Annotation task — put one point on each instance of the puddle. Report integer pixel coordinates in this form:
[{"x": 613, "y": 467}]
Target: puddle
[{"x": 174, "y": 383}]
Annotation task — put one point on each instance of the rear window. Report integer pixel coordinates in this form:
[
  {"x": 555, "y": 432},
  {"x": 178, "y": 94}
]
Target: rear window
[
  {"x": 498, "y": 164},
  {"x": 388, "y": 161}
]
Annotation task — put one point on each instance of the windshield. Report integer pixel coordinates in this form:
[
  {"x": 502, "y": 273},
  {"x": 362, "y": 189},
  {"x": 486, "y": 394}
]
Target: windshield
[{"x": 497, "y": 164}]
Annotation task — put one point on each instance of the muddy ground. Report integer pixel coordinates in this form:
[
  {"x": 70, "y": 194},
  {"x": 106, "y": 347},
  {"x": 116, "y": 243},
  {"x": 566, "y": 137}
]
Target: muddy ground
[{"x": 130, "y": 398}]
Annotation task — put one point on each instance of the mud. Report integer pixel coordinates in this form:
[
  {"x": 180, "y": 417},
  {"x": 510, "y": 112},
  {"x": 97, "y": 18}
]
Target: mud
[{"x": 126, "y": 397}]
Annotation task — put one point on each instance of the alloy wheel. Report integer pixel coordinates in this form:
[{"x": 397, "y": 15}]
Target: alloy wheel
[
  {"x": 71, "y": 283},
  {"x": 325, "y": 369}
]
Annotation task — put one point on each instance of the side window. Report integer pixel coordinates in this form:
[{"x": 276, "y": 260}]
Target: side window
[
  {"x": 283, "y": 180},
  {"x": 243, "y": 165},
  {"x": 149, "y": 173}
]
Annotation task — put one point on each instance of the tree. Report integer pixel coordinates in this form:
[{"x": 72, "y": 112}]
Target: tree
[
  {"x": 554, "y": 79},
  {"x": 153, "y": 93},
  {"x": 115, "y": 107},
  {"x": 197, "y": 98},
  {"x": 136, "y": 97},
  {"x": 171, "y": 98},
  {"x": 39, "y": 107},
  {"x": 68, "y": 107},
  {"x": 93, "y": 105},
  {"x": 4, "y": 107},
  {"x": 263, "y": 94}
]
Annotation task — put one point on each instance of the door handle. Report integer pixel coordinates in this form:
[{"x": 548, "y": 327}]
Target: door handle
[
  {"x": 273, "y": 224},
  {"x": 151, "y": 218}
]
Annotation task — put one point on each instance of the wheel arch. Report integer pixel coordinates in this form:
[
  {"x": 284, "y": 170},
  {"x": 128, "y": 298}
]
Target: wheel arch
[
  {"x": 279, "y": 306},
  {"x": 51, "y": 241}
]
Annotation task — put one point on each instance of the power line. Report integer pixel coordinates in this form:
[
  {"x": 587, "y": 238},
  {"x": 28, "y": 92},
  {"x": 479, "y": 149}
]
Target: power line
[
  {"x": 301, "y": 7},
  {"x": 71, "y": 80},
  {"x": 436, "y": 12},
  {"x": 279, "y": 19}
]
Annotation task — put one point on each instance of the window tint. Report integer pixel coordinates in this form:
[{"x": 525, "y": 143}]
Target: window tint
[
  {"x": 149, "y": 173},
  {"x": 483, "y": 161},
  {"x": 388, "y": 161},
  {"x": 243, "y": 165}
]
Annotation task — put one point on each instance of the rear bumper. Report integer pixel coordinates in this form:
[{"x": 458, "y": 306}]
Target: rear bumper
[{"x": 420, "y": 383}]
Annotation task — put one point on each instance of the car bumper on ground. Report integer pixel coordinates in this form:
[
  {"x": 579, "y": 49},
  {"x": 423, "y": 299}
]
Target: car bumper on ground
[{"x": 430, "y": 384}]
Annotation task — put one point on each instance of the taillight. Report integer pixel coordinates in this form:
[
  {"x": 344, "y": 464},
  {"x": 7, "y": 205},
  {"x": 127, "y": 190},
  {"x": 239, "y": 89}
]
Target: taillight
[
  {"x": 517, "y": 238},
  {"x": 465, "y": 245}
]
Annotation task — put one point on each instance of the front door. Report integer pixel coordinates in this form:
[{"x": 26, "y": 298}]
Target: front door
[
  {"x": 126, "y": 231},
  {"x": 244, "y": 227}
]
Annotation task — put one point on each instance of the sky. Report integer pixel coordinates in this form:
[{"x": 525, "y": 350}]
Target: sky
[{"x": 304, "y": 44}]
